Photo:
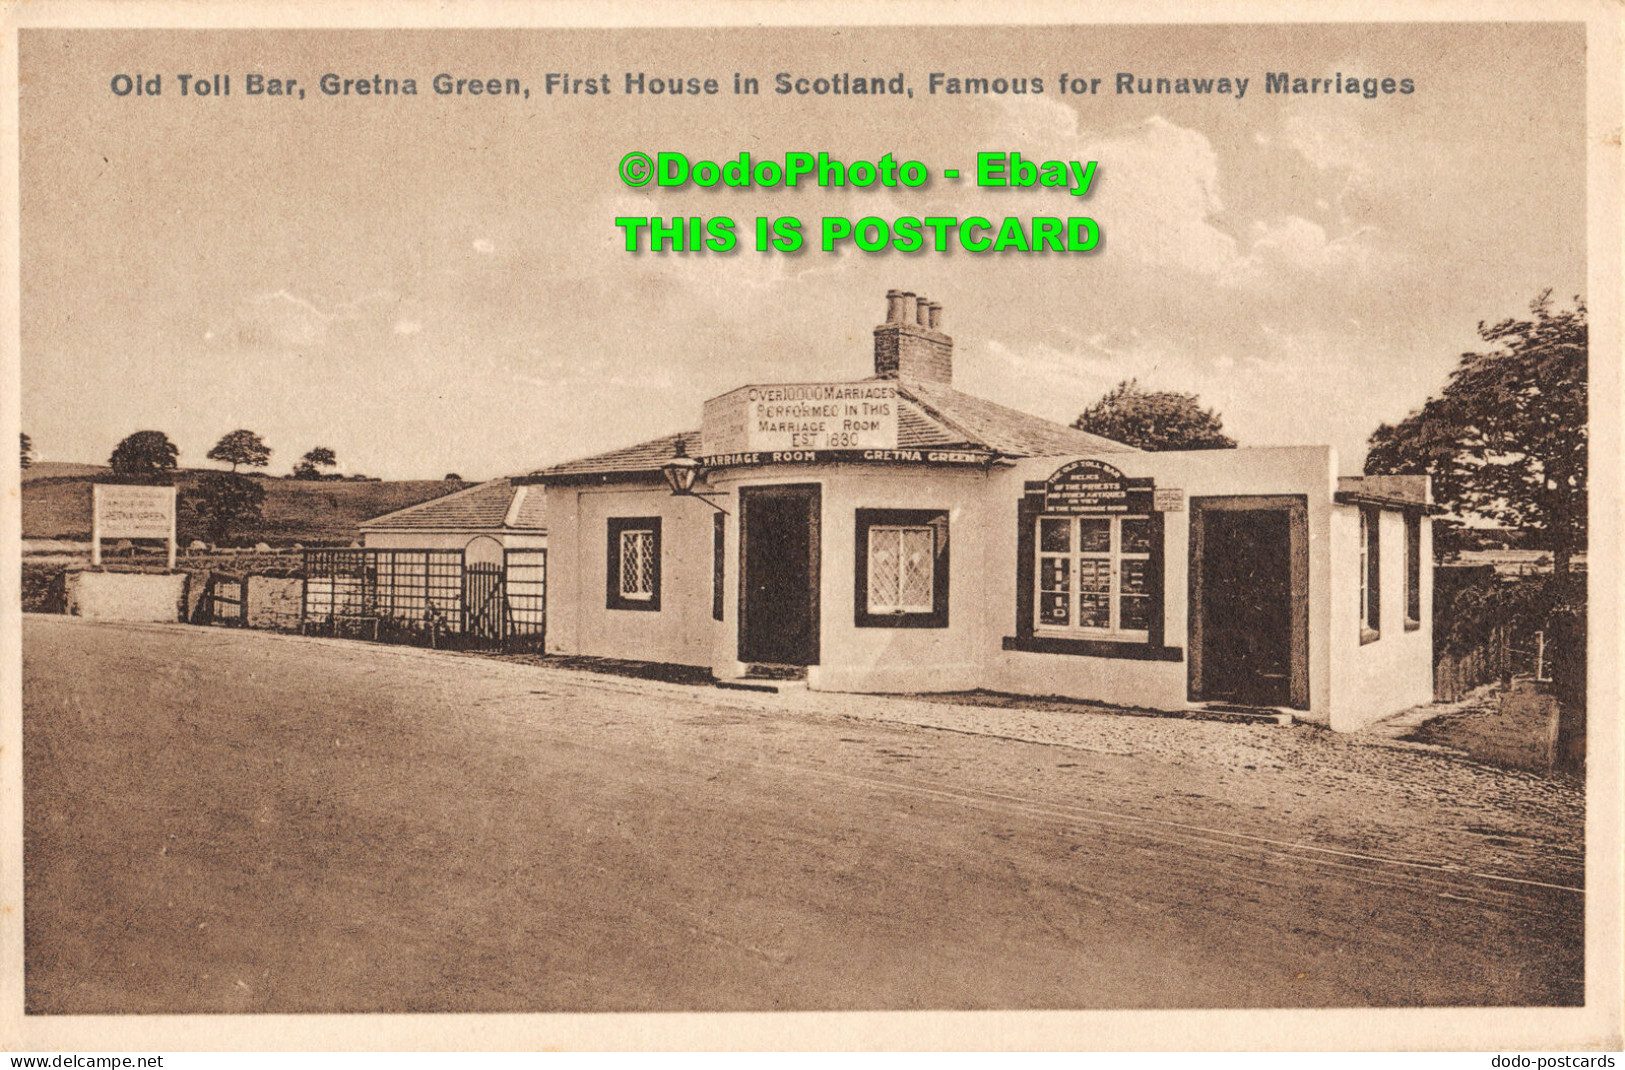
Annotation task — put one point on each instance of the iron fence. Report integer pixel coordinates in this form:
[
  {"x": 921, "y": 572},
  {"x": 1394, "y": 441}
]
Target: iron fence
[{"x": 435, "y": 597}]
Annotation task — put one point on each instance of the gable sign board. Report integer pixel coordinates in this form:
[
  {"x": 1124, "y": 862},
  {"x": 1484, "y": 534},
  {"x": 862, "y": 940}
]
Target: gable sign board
[
  {"x": 801, "y": 416},
  {"x": 119, "y": 511},
  {"x": 1095, "y": 488}
]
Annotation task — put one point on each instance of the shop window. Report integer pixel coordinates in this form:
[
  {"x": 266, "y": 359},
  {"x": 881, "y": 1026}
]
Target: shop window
[
  {"x": 1094, "y": 577},
  {"x": 902, "y": 568},
  {"x": 1413, "y": 571},
  {"x": 1089, "y": 585},
  {"x": 634, "y": 563},
  {"x": 1370, "y": 575}
]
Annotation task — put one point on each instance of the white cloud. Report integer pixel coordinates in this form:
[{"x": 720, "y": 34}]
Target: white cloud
[
  {"x": 407, "y": 327},
  {"x": 484, "y": 245}
]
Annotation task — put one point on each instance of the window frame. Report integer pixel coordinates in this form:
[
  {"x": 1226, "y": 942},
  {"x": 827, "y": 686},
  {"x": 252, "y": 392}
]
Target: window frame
[
  {"x": 1028, "y": 511},
  {"x": 1370, "y": 574},
  {"x": 1413, "y": 570},
  {"x": 1113, "y": 556},
  {"x": 617, "y": 527},
  {"x": 719, "y": 562},
  {"x": 867, "y": 520}
]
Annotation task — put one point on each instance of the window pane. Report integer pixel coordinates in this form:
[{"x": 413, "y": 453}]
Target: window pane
[
  {"x": 1094, "y": 611},
  {"x": 646, "y": 562},
  {"x": 1135, "y": 574},
  {"x": 915, "y": 582},
  {"x": 1095, "y": 534},
  {"x": 637, "y": 564},
  {"x": 1136, "y": 535},
  {"x": 1053, "y": 609},
  {"x": 1136, "y": 612},
  {"x": 1055, "y": 535},
  {"x": 1054, "y": 574},
  {"x": 629, "y": 562},
  {"x": 883, "y": 568},
  {"x": 1094, "y": 576}
]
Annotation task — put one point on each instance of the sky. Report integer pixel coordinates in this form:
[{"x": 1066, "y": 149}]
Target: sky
[{"x": 435, "y": 284}]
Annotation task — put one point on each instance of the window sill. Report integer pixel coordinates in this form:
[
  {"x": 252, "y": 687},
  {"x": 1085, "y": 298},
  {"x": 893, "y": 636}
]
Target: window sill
[
  {"x": 641, "y": 607},
  {"x": 901, "y": 620},
  {"x": 1413, "y": 625},
  {"x": 1093, "y": 648},
  {"x": 1368, "y": 635}
]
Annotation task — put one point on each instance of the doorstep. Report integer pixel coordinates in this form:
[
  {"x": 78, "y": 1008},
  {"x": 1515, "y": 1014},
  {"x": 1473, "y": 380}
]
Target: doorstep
[{"x": 1239, "y": 714}]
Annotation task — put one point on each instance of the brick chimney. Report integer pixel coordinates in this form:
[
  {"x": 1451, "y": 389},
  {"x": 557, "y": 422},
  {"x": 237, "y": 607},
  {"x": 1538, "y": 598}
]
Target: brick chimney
[{"x": 910, "y": 344}]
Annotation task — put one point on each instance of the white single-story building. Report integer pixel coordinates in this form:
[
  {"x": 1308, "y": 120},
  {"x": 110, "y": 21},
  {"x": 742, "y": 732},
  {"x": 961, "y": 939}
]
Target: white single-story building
[
  {"x": 893, "y": 534},
  {"x": 482, "y": 520}
]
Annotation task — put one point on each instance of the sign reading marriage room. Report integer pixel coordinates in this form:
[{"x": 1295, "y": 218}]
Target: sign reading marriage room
[{"x": 802, "y": 416}]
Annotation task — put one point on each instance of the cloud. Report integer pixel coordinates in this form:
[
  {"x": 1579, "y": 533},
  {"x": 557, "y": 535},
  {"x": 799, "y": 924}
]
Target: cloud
[
  {"x": 1293, "y": 243},
  {"x": 407, "y": 327},
  {"x": 281, "y": 319},
  {"x": 484, "y": 245}
]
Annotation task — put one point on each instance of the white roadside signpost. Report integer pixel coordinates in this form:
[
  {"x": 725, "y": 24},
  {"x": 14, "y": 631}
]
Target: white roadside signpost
[{"x": 119, "y": 511}]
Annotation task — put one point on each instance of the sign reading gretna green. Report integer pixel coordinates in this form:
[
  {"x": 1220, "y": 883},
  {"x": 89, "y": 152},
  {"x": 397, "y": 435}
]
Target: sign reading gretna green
[
  {"x": 118, "y": 511},
  {"x": 1095, "y": 487},
  {"x": 801, "y": 416}
]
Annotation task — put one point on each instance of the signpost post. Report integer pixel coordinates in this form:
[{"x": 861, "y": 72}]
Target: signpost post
[{"x": 119, "y": 511}]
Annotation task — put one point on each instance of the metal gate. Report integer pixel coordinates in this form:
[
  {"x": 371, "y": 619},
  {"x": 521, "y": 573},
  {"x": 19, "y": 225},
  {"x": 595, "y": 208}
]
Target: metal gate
[
  {"x": 225, "y": 600},
  {"x": 431, "y": 597},
  {"x": 484, "y": 603}
]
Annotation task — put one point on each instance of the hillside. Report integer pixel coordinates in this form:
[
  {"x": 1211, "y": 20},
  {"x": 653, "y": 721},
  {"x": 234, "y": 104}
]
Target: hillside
[
  {"x": 57, "y": 506},
  {"x": 62, "y": 469}
]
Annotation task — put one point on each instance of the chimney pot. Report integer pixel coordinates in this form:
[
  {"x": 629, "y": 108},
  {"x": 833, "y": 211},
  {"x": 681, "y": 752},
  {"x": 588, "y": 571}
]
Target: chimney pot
[
  {"x": 894, "y": 306},
  {"x": 909, "y": 306},
  {"x": 923, "y": 313},
  {"x": 936, "y": 316}
]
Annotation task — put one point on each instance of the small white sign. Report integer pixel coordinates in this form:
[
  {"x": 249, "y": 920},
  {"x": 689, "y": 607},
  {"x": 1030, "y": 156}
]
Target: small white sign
[
  {"x": 1168, "y": 499},
  {"x": 119, "y": 511}
]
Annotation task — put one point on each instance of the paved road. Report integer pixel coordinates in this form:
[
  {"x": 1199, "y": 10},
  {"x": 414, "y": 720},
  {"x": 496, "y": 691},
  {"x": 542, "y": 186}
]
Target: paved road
[{"x": 230, "y": 821}]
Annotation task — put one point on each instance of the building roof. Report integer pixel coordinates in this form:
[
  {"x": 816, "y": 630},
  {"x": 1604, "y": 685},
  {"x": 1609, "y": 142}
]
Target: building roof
[
  {"x": 483, "y": 507},
  {"x": 999, "y": 428},
  {"x": 930, "y": 416}
]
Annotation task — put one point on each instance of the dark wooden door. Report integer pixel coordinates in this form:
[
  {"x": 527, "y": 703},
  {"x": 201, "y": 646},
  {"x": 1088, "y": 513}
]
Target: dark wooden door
[
  {"x": 1247, "y": 606},
  {"x": 778, "y": 591}
]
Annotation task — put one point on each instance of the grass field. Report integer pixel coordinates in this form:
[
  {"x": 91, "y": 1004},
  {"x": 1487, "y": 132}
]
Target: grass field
[{"x": 56, "y": 505}]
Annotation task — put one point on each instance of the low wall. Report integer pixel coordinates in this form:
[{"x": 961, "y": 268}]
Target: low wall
[
  {"x": 127, "y": 595},
  {"x": 275, "y": 602}
]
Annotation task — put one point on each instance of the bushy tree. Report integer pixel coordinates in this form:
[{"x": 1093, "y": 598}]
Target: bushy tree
[
  {"x": 311, "y": 464},
  {"x": 1155, "y": 420},
  {"x": 223, "y": 500},
  {"x": 241, "y": 447},
  {"x": 453, "y": 477},
  {"x": 1506, "y": 438},
  {"x": 27, "y": 450},
  {"x": 145, "y": 457}
]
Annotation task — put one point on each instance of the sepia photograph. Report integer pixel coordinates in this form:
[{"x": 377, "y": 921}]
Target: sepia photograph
[{"x": 597, "y": 520}]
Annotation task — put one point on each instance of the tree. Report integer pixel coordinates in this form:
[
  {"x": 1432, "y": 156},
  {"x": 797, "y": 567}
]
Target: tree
[
  {"x": 145, "y": 457},
  {"x": 241, "y": 447},
  {"x": 453, "y": 477},
  {"x": 1506, "y": 438},
  {"x": 221, "y": 500},
  {"x": 27, "y": 450},
  {"x": 310, "y": 465},
  {"x": 1155, "y": 420}
]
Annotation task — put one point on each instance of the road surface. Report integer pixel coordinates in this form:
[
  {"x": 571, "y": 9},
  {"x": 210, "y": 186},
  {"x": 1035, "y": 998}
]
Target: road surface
[{"x": 227, "y": 821}]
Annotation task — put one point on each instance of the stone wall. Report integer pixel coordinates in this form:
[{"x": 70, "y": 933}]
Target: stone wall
[{"x": 127, "y": 595}]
